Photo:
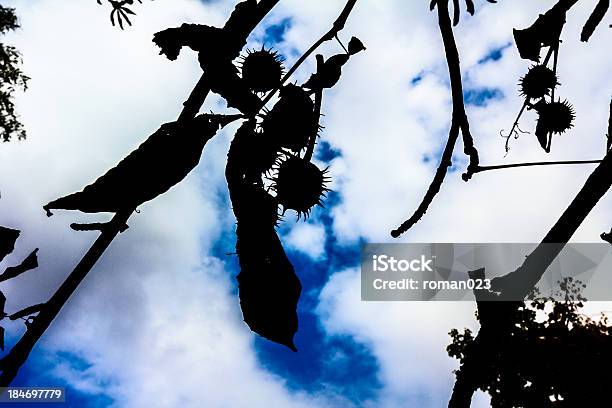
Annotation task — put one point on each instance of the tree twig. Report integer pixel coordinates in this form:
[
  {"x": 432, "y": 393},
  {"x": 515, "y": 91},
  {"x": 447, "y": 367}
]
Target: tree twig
[
  {"x": 459, "y": 121},
  {"x": 316, "y": 114},
  {"x": 480, "y": 169},
  {"x": 337, "y": 26}
]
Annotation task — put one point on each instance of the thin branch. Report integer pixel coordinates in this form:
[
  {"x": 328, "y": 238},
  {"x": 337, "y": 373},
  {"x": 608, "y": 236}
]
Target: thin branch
[
  {"x": 480, "y": 169},
  {"x": 609, "y": 134},
  {"x": 459, "y": 121},
  {"x": 330, "y": 35},
  {"x": 434, "y": 187},
  {"x": 18, "y": 355},
  {"x": 316, "y": 114},
  {"x": 594, "y": 19}
]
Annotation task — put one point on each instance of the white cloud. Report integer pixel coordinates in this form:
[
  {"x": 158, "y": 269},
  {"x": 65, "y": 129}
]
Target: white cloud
[{"x": 308, "y": 238}]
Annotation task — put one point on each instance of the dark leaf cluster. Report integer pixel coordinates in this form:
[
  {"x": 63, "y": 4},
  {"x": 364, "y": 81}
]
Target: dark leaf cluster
[
  {"x": 553, "y": 356},
  {"x": 12, "y": 78}
]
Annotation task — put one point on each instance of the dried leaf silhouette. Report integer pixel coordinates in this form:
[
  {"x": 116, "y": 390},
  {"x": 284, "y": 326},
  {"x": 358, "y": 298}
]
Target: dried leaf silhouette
[
  {"x": 1, "y": 338},
  {"x": 8, "y": 237},
  {"x": 329, "y": 74},
  {"x": 594, "y": 19},
  {"x": 28, "y": 311},
  {"x": 210, "y": 43},
  {"x": 162, "y": 161},
  {"x": 544, "y": 32},
  {"x": 269, "y": 289},
  {"x": 31, "y": 262},
  {"x": 268, "y": 286}
]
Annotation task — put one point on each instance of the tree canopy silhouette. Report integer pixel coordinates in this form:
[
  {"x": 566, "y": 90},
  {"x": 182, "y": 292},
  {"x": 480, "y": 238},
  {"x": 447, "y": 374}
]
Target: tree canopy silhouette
[
  {"x": 552, "y": 355},
  {"x": 11, "y": 79}
]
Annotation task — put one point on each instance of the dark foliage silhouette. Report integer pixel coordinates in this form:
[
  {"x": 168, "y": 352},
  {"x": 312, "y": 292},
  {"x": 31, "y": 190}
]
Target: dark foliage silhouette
[
  {"x": 552, "y": 356},
  {"x": 11, "y": 79}
]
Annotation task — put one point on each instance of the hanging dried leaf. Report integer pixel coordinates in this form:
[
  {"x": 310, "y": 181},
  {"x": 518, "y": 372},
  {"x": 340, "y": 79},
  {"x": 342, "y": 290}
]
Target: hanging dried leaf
[
  {"x": 268, "y": 287},
  {"x": 31, "y": 262},
  {"x": 544, "y": 32},
  {"x": 8, "y": 237},
  {"x": 161, "y": 162},
  {"x": 328, "y": 74}
]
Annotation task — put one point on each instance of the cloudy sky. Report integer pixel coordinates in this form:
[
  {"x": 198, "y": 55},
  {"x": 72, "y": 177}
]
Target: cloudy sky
[{"x": 157, "y": 322}]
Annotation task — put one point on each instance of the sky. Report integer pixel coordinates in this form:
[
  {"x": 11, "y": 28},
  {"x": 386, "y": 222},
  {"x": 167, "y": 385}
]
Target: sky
[{"x": 157, "y": 321}]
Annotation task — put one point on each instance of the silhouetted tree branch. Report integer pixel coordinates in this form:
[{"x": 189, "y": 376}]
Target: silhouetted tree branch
[
  {"x": 496, "y": 316},
  {"x": 459, "y": 121},
  {"x": 480, "y": 169},
  {"x": 594, "y": 19},
  {"x": 337, "y": 26}
]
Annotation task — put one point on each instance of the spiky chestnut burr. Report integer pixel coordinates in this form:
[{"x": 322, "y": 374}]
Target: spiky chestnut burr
[
  {"x": 556, "y": 117},
  {"x": 300, "y": 185},
  {"x": 262, "y": 70},
  {"x": 538, "y": 82},
  {"x": 289, "y": 122}
]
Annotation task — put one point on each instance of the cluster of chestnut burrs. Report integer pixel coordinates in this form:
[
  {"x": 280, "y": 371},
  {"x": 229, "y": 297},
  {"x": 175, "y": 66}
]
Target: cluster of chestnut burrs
[
  {"x": 270, "y": 166},
  {"x": 283, "y": 139},
  {"x": 538, "y": 85}
]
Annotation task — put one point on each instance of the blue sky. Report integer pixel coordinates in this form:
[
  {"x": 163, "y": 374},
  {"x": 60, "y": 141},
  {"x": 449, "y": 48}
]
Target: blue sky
[{"x": 164, "y": 297}]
